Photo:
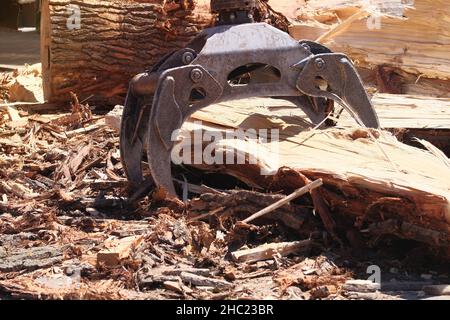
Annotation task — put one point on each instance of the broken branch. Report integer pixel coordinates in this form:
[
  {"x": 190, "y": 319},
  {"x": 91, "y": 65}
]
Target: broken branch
[{"x": 299, "y": 192}]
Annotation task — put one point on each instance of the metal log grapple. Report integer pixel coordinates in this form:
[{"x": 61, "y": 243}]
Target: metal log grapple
[{"x": 236, "y": 59}]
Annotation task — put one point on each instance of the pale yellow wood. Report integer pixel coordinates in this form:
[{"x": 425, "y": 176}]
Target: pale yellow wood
[
  {"x": 394, "y": 112},
  {"x": 347, "y": 159},
  {"x": 118, "y": 249}
]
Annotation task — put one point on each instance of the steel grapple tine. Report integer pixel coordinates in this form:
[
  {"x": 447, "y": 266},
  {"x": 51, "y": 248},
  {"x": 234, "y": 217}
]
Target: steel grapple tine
[
  {"x": 344, "y": 85},
  {"x": 163, "y": 121},
  {"x": 132, "y": 133},
  {"x": 137, "y": 111},
  {"x": 172, "y": 105}
]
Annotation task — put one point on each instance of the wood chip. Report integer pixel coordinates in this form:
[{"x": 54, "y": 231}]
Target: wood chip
[
  {"x": 12, "y": 112},
  {"x": 197, "y": 280},
  {"x": 119, "y": 250},
  {"x": 177, "y": 287},
  {"x": 268, "y": 251},
  {"x": 361, "y": 286}
]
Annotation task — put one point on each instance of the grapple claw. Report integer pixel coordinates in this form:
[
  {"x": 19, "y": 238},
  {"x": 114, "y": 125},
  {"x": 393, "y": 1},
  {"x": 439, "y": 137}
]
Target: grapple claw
[
  {"x": 344, "y": 85},
  {"x": 132, "y": 134},
  {"x": 170, "y": 109},
  {"x": 230, "y": 62},
  {"x": 134, "y": 125}
]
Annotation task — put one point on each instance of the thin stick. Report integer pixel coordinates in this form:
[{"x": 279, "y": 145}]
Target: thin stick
[
  {"x": 343, "y": 26},
  {"x": 299, "y": 192}
]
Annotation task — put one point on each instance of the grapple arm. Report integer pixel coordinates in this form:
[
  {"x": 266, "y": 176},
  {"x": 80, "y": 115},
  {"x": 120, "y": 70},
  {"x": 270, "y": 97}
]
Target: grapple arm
[{"x": 229, "y": 63}]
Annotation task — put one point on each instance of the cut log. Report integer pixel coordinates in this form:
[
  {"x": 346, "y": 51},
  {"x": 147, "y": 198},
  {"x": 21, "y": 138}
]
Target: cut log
[
  {"x": 406, "y": 116},
  {"x": 382, "y": 185},
  {"x": 404, "y": 44},
  {"x": 115, "y": 40}
]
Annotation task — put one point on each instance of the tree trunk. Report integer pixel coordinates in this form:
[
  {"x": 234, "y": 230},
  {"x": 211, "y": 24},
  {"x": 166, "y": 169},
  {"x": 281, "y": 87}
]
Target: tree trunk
[{"x": 115, "y": 40}]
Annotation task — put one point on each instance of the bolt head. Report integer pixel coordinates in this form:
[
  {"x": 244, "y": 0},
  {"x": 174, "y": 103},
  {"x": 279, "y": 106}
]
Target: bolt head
[
  {"x": 188, "y": 57},
  {"x": 320, "y": 63},
  {"x": 196, "y": 75}
]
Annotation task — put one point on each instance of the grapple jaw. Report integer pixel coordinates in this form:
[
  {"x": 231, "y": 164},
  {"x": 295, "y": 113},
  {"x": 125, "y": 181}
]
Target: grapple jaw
[
  {"x": 228, "y": 63},
  {"x": 343, "y": 85}
]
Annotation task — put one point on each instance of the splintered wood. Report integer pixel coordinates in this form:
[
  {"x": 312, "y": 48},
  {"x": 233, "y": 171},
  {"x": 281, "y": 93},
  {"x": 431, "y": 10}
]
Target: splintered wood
[
  {"x": 117, "y": 250},
  {"x": 406, "y": 193},
  {"x": 282, "y": 202}
]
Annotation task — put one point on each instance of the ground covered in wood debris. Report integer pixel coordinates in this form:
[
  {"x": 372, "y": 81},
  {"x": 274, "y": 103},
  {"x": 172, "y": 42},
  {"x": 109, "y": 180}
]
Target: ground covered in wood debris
[{"x": 70, "y": 229}]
